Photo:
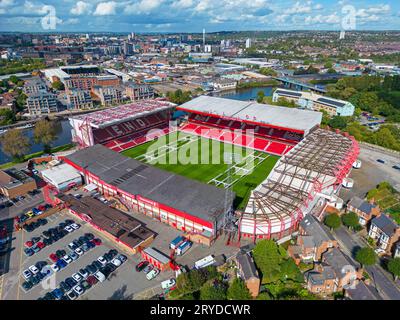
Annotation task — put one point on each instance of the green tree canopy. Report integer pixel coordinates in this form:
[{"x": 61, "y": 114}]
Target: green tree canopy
[
  {"x": 268, "y": 257},
  {"x": 58, "y": 85},
  {"x": 238, "y": 290},
  {"x": 45, "y": 133},
  {"x": 15, "y": 144},
  {"x": 366, "y": 256},
  {"x": 394, "y": 267},
  {"x": 332, "y": 221},
  {"x": 211, "y": 291},
  {"x": 350, "y": 220}
]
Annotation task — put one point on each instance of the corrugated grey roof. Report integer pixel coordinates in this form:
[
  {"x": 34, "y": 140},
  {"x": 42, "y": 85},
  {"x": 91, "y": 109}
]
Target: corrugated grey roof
[
  {"x": 249, "y": 110},
  {"x": 288, "y": 93},
  {"x": 132, "y": 176}
]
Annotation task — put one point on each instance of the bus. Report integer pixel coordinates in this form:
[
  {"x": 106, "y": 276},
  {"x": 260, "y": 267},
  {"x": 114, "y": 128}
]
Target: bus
[{"x": 176, "y": 242}]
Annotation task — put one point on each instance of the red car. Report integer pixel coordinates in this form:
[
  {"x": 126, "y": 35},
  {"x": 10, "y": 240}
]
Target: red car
[
  {"x": 96, "y": 242},
  {"x": 29, "y": 244},
  {"x": 53, "y": 257},
  {"x": 141, "y": 265},
  {"x": 40, "y": 245},
  {"x": 92, "y": 280},
  {"x": 42, "y": 208}
]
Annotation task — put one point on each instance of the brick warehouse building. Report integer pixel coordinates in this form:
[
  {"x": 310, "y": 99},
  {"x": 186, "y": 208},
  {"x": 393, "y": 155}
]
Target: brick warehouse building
[{"x": 193, "y": 207}]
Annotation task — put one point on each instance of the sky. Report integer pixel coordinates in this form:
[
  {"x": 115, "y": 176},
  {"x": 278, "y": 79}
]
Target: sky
[{"x": 194, "y": 15}]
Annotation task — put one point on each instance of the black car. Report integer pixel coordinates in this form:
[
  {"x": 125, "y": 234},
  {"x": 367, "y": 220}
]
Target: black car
[
  {"x": 27, "y": 285},
  {"x": 71, "y": 282},
  {"x": 89, "y": 236},
  {"x": 28, "y": 227},
  {"x": 40, "y": 264},
  {"x": 91, "y": 269},
  {"x": 49, "y": 296},
  {"x": 42, "y": 222},
  {"x": 113, "y": 252},
  {"x": 108, "y": 257},
  {"x": 111, "y": 267},
  {"x": 397, "y": 167},
  {"x": 106, "y": 271},
  {"x": 97, "y": 264},
  {"x": 65, "y": 286}
]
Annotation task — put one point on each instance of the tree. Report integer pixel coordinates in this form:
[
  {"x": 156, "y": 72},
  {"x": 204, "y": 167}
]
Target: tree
[
  {"x": 268, "y": 257},
  {"x": 212, "y": 291},
  {"x": 366, "y": 256},
  {"x": 260, "y": 96},
  {"x": 337, "y": 122},
  {"x": 332, "y": 221},
  {"x": 238, "y": 290},
  {"x": 58, "y": 85},
  {"x": 44, "y": 133},
  {"x": 15, "y": 144},
  {"x": 394, "y": 267},
  {"x": 350, "y": 220}
]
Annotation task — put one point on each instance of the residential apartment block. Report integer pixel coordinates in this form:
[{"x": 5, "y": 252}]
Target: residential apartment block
[
  {"x": 41, "y": 102},
  {"x": 79, "y": 99},
  {"x": 138, "y": 91}
]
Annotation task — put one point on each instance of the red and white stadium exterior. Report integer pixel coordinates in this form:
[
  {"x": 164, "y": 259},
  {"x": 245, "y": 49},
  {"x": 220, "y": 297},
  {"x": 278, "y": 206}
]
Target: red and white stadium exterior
[{"x": 313, "y": 166}]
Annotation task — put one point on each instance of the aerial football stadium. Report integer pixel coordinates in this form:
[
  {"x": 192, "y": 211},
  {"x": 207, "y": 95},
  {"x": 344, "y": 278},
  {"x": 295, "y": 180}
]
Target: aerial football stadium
[{"x": 256, "y": 167}]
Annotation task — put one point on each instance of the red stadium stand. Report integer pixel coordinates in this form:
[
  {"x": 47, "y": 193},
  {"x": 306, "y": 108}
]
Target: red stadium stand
[{"x": 256, "y": 143}]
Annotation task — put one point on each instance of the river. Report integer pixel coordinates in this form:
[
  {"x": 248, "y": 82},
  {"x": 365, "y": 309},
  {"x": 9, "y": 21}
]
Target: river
[
  {"x": 63, "y": 137},
  {"x": 64, "y": 129}
]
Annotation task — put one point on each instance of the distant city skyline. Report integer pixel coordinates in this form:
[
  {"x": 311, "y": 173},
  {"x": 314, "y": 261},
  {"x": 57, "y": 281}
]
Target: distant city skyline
[{"x": 194, "y": 15}]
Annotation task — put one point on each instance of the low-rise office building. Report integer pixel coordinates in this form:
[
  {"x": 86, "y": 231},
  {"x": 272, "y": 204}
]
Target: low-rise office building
[
  {"x": 14, "y": 183},
  {"x": 316, "y": 102}
]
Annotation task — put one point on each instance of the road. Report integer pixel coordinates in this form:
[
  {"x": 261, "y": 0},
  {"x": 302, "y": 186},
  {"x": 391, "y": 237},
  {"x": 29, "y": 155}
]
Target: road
[{"x": 381, "y": 279}]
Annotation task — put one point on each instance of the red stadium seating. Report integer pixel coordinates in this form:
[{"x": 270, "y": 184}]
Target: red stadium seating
[
  {"x": 126, "y": 128},
  {"x": 256, "y": 143}
]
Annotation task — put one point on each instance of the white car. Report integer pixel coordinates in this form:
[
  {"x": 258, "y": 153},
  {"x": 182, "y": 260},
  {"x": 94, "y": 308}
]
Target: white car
[
  {"x": 68, "y": 229},
  {"x": 152, "y": 274},
  {"x": 55, "y": 267},
  {"x": 77, "y": 277},
  {"x": 102, "y": 260},
  {"x": 79, "y": 251},
  {"x": 33, "y": 269},
  {"x": 67, "y": 259},
  {"x": 74, "y": 226},
  {"x": 79, "y": 290},
  {"x": 116, "y": 262},
  {"x": 26, "y": 274},
  {"x": 100, "y": 276},
  {"x": 168, "y": 284}
]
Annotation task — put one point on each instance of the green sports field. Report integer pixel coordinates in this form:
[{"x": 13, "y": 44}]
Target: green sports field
[{"x": 208, "y": 161}]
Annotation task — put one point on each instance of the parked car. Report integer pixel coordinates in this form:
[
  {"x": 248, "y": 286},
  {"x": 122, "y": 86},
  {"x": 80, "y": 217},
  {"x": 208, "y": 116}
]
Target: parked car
[
  {"x": 75, "y": 226},
  {"x": 79, "y": 290},
  {"x": 53, "y": 257},
  {"x": 380, "y": 161},
  {"x": 168, "y": 284},
  {"x": 29, "y": 252},
  {"x": 79, "y": 251},
  {"x": 141, "y": 265},
  {"x": 102, "y": 260},
  {"x": 67, "y": 259},
  {"x": 71, "y": 295},
  {"x": 92, "y": 280},
  {"x": 77, "y": 277},
  {"x": 152, "y": 274},
  {"x": 100, "y": 276},
  {"x": 27, "y": 274},
  {"x": 148, "y": 268}
]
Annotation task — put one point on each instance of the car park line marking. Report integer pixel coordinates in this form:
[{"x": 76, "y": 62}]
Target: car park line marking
[{"x": 20, "y": 264}]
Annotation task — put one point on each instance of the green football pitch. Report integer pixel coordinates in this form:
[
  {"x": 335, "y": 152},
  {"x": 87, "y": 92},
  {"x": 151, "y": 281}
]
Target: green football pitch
[{"x": 221, "y": 164}]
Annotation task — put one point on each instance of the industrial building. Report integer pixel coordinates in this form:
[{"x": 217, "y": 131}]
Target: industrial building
[{"x": 62, "y": 177}]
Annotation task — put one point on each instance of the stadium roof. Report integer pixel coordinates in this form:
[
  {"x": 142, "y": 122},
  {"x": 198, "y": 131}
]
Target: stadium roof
[
  {"x": 134, "y": 177},
  {"x": 107, "y": 117},
  {"x": 286, "y": 118}
]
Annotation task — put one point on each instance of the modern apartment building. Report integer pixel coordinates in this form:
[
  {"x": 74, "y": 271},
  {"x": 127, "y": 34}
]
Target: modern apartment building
[{"x": 42, "y": 102}]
